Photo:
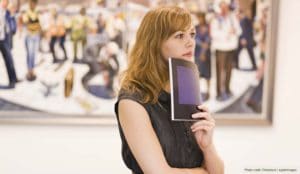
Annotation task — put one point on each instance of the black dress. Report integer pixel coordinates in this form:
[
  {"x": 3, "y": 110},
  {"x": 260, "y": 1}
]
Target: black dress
[{"x": 176, "y": 138}]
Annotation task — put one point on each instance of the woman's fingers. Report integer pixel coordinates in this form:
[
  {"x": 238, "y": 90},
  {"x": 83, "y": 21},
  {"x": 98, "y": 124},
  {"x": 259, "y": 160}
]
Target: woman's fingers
[
  {"x": 203, "y": 115},
  {"x": 206, "y": 128},
  {"x": 203, "y": 124},
  {"x": 203, "y": 108}
]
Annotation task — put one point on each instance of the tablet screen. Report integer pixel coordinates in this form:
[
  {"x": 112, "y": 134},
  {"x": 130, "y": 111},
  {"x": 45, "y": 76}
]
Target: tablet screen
[
  {"x": 185, "y": 89},
  {"x": 187, "y": 86}
]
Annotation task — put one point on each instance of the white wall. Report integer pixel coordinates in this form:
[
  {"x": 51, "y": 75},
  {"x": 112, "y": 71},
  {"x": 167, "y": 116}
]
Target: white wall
[
  {"x": 91, "y": 150},
  {"x": 60, "y": 150}
]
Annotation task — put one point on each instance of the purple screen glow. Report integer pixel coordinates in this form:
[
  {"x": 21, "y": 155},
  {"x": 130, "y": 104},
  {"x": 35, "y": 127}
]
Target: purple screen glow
[{"x": 187, "y": 86}]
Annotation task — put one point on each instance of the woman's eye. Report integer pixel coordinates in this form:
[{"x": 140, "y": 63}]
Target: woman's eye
[
  {"x": 193, "y": 34},
  {"x": 179, "y": 36}
]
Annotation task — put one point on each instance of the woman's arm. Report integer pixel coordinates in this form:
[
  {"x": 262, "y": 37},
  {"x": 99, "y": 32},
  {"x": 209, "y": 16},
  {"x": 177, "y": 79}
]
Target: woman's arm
[
  {"x": 143, "y": 141},
  {"x": 212, "y": 162},
  {"x": 203, "y": 131}
]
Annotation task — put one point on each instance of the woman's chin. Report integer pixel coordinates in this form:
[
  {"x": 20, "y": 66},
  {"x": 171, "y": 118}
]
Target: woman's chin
[{"x": 189, "y": 58}]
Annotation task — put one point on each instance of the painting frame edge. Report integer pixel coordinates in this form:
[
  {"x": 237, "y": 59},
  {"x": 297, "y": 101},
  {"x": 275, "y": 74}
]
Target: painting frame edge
[{"x": 266, "y": 116}]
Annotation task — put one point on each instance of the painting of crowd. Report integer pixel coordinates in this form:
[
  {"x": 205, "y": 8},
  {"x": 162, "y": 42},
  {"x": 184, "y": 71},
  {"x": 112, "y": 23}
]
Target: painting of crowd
[
  {"x": 59, "y": 35},
  {"x": 73, "y": 53}
]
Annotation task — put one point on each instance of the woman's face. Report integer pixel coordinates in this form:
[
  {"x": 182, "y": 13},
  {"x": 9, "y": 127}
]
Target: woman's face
[{"x": 181, "y": 45}]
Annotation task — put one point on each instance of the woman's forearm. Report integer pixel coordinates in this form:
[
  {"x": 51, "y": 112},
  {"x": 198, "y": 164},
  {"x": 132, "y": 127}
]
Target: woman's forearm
[
  {"x": 213, "y": 163},
  {"x": 198, "y": 170}
]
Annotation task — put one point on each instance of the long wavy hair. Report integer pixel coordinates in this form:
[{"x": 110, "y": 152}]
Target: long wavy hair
[{"x": 147, "y": 72}]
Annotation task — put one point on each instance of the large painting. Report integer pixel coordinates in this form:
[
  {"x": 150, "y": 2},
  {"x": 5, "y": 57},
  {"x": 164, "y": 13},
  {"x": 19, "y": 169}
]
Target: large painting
[
  {"x": 76, "y": 73},
  {"x": 63, "y": 61}
]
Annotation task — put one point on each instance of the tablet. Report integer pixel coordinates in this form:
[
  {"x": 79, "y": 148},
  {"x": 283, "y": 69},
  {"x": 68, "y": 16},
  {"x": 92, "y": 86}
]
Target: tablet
[{"x": 185, "y": 89}]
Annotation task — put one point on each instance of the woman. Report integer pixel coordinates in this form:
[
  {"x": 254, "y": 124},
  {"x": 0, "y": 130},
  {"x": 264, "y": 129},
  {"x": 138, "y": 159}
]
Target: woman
[
  {"x": 32, "y": 22},
  {"x": 151, "y": 142}
]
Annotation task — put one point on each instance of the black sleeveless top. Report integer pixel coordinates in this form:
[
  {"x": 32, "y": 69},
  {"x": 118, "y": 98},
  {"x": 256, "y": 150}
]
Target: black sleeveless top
[{"x": 176, "y": 138}]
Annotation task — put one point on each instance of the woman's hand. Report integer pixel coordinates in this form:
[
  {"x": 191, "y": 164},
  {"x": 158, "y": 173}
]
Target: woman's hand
[{"x": 203, "y": 129}]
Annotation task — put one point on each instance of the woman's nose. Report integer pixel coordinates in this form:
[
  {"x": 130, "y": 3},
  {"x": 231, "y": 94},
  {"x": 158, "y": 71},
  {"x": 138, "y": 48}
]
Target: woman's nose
[{"x": 189, "y": 42}]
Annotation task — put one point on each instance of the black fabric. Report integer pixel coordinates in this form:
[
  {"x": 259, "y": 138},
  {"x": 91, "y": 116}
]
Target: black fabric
[
  {"x": 176, "y": 139},
  {"x": 8, "y": 59}
]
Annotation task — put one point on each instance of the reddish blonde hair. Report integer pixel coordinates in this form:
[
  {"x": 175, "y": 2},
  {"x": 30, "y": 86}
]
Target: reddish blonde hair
[{"x": 147, "y": 71}]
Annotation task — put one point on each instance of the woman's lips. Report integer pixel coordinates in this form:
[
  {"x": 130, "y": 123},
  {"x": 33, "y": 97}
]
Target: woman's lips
[{"x": 188, "y": 54}]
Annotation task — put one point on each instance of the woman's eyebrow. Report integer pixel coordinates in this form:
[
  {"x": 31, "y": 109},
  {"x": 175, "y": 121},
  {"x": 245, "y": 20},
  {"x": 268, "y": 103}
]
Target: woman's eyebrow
[
  {"x": 193, "y": 29},
  {"x": 177, "y": 32}
]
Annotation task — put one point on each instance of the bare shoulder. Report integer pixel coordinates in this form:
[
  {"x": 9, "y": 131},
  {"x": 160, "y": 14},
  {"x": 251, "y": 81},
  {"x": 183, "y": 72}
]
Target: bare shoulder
[{"x": 132, "y": 110}]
